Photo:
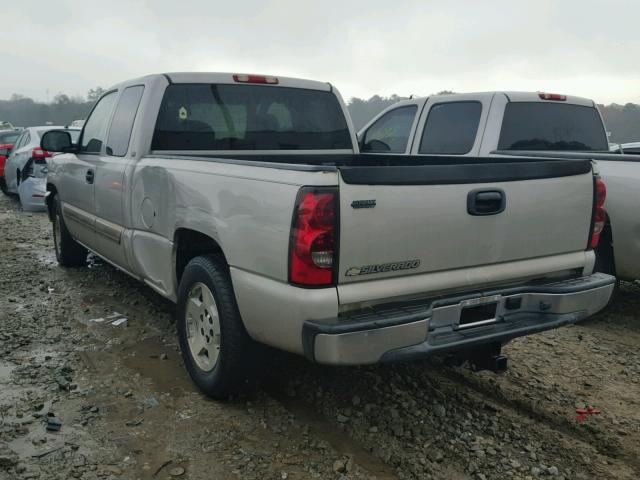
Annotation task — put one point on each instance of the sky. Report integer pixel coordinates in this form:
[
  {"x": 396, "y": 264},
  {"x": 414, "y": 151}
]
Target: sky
[{"x": 579, "y": 47}]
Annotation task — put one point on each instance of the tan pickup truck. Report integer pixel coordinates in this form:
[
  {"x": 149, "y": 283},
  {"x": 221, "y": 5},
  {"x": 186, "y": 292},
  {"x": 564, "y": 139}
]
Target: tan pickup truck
[{"x": 244, "y": 199}]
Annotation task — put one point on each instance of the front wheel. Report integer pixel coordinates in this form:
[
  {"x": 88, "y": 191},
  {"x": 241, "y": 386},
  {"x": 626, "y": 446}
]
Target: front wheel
[
  {"x": 217, "y": 351},
  {"x": 69, "y": 253}
]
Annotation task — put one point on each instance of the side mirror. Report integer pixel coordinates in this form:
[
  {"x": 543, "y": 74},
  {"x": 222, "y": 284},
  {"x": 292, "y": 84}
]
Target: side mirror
[{"x": 57, "y": 141}]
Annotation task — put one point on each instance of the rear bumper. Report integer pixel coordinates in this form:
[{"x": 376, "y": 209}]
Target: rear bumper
[
  {"x": 418, "y": 329},
  {"x": 32, "y": 194}
]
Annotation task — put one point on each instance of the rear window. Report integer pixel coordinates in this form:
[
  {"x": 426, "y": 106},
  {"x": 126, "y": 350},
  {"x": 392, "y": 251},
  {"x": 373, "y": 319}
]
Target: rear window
[
  {"x": 9, "y": 137},
  {"x": 249, "y": 117},
  {"x": 451, "y": 128},
  {"x": 551, "y": 126}
]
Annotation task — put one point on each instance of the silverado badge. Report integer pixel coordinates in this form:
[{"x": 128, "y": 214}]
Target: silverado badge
[{"x": 382, "y": 268}]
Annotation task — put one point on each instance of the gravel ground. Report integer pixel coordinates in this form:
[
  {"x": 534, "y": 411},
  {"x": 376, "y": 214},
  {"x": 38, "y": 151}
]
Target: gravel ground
[{"x": 128, "y": 410}]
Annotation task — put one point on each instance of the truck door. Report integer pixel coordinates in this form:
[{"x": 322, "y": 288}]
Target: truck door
[
  {"x": 78, "y": 179},
  {"x": 452, "y": 125},
  {"x": 110, "y": 178}
]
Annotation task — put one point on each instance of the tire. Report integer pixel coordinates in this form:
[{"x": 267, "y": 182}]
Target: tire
[
  {"x": 69, "y": 253},
  {"x": 218, "y": 353},
  {"x": 3, "y": 186}
]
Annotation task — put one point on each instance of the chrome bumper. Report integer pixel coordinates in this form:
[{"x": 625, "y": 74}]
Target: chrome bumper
[{"x": 422, "y": 328}]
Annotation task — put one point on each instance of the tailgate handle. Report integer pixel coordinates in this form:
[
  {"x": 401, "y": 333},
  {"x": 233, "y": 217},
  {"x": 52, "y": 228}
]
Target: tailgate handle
[{"x": 486, "y": 202}]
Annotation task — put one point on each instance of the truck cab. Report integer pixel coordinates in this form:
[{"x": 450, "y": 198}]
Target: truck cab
[{"x": 478, "y": 124}]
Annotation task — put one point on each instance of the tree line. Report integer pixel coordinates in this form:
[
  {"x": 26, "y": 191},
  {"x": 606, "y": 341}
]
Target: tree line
[
  {"x": 623, "y": 121},
  {"x": 23, "y": 111}
]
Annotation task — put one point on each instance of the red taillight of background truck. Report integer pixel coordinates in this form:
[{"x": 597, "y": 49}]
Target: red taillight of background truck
[
  {"x": 599, "y": 213},
  {"x": 313, "y": 247}
]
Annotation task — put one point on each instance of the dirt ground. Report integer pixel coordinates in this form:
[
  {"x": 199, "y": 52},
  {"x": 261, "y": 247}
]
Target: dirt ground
[{"x": 129, "y": 411}]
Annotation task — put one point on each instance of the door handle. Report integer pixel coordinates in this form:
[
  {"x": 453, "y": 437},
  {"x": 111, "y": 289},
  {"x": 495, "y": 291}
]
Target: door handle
[
  {"x": 89, "y": 177},
  {"x": 486, "y": 202}
]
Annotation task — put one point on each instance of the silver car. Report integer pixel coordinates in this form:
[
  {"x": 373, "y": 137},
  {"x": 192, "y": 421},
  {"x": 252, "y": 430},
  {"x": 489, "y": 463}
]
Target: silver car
[{"x": 27, "y": 160}]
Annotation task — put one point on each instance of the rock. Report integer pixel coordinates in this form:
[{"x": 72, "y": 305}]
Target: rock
[
  {"x": 553, "y": 471},
  {"x": 439, "y": 410},
  {"x": 536, "y": 472},
  {"x": 7, "y": 457},
  {"x": 435, "y": 455},
  {"x": 342, "y": 418},
  {"x": 340, "y": 466},
  {"x": 177, "y": 471},
  {"x": 163, "y": 356}
]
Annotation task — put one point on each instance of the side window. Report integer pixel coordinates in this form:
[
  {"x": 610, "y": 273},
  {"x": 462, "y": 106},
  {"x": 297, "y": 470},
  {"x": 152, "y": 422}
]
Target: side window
[
  {"x": 451, "y": 128},
  {"x": 95, "y": 130},
  {"x": 122, "y": 123},
  {"x": 390, "y": 133},
  {"x": 19, "y": 142},
  {"x": 26, "y": 139}
]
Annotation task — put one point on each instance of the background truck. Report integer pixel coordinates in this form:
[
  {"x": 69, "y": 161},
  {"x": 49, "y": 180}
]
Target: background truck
[
  {"x": 499, "y": 124},
  {"x": 244, "y": 199}
]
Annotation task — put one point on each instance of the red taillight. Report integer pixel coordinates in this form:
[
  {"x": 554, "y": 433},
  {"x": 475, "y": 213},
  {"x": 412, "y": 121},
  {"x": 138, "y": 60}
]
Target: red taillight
[
  {"x": 40, "y": 153},
  {"x": 552, "y": 96},
  {"x": 314, "y": 237},
  {"x": 247, "y": 78},
  {"x": 599, "y": 213}
]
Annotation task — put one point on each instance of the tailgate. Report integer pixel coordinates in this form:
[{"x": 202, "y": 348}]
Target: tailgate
[{"x": 404, "y": 220}]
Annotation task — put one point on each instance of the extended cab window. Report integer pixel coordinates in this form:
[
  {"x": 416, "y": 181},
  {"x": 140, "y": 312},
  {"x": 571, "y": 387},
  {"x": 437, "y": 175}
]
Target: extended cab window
[
  {"x": 551, "y": 126},
  {"x": 390, "y": 133},
  {"x": 123, "y": 118},
  {"x": 249, "y": 117},
  {"x": 95, "y": 130},
  {"x": 451, "y": 128}
]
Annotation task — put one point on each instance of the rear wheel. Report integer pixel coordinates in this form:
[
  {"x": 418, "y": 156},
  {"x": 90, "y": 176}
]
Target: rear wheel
[
  {"x": 69, "y": 253},
  {"x": 3, "y": 186},
  {"x": 217, "y": 351}
]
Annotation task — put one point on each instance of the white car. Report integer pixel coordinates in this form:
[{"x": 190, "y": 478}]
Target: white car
[{"x": 28, "y": 161}]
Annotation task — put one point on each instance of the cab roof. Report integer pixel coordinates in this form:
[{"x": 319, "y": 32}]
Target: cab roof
[
  {"x": 515, "y": 97},
  {"x": 227, "y": 78}
]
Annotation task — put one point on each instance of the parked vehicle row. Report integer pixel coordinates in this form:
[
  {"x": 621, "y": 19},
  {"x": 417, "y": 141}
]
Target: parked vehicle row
[
  {"x": 500, "y": 124},
  {"x": 25, "y": 169},
  {"x": 246, "y": 200},
  {"x": 7, "y": 140}
]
